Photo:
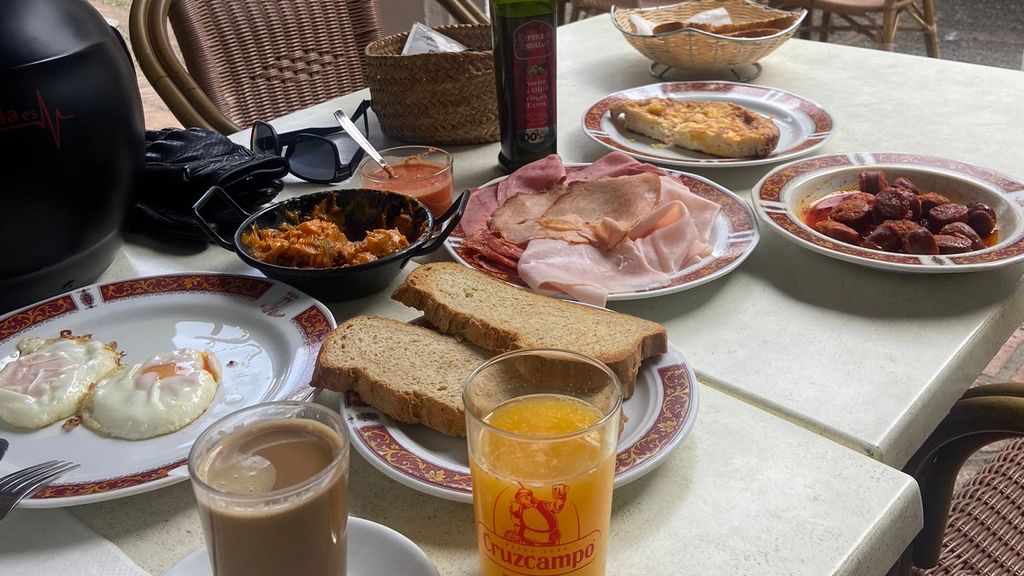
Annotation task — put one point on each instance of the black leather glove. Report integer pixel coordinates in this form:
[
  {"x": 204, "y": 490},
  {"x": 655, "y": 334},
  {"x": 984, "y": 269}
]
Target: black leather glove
[{"x": 183, "y": 164}]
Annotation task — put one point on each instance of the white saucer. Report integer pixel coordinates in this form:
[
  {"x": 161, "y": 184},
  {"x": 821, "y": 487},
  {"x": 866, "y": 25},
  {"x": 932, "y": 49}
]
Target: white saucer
[{"x": 372, "y": 550}]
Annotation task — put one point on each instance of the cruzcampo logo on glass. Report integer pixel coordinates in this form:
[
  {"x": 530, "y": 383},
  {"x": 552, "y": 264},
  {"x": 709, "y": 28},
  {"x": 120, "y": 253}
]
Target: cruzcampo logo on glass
[{"x": 537, "y": 532}]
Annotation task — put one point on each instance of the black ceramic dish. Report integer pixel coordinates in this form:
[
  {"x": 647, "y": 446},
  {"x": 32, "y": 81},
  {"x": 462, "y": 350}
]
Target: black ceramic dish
[{"x": 363, "y": 210}]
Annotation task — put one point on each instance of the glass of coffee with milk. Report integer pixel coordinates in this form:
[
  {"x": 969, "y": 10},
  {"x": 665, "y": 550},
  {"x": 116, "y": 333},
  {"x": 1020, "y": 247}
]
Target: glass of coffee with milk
[{"x": 271, "y": 484}]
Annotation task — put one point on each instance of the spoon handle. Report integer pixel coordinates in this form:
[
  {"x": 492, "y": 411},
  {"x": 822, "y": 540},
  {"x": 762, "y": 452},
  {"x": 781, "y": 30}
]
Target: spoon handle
[{"x": 356, "y": 135}]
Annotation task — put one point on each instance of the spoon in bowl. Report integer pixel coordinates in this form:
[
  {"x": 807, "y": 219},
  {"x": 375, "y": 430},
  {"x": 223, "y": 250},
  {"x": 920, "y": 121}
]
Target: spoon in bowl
[{"x": 356, "y": 135}]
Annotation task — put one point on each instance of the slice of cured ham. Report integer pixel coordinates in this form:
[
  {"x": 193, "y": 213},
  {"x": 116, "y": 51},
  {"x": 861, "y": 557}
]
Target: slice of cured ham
[
  {"x": 584, "y": 272},
  {"x": 534, "y": 178}
]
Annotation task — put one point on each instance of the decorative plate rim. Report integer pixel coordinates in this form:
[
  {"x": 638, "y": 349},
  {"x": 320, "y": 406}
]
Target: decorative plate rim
[
  {"x": 768, "y": 194},
  {"x": 824, "y": 122},
  {"x": 743, "y": 239},
  {"x": 312, "y": 323},
  {"x": 676, "y": 414}
]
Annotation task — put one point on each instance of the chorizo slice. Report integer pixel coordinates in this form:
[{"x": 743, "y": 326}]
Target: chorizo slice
[
  {"x": 945, "y": 214},
  {"x": 885, "y": 238},
  {"x": 906, "y": 184},
  {"x": 854, "y": 213},
  {"x": 872, "y": 181},
  {"x": 949, "y": 244},
  {"x": 930, "y": 200},
  {"x": 892, "y": 204},
  {"x": 961, "y": 229},
  {"x": 972, "y": 206},
  {"x": 920, "y": 241},
  {"x": 838, "y": 231},
  {"x": 981, "y": 222}
]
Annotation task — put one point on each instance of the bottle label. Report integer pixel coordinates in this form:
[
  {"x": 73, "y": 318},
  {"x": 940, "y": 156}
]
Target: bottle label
[{"x": 534, "y": 73}]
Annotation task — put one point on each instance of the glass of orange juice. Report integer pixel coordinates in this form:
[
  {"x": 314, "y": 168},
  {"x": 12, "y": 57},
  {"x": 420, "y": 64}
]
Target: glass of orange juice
[
  {"x": 542, "y": 427},
  {"x": 423, "y": 172}
]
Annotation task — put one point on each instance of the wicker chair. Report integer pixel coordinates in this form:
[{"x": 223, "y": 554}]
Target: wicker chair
[
  {"x": 587, "y": 8},
  {"x": 246, "y": 60},
  {"x": 876, "y": 19},
  {"x": 984, "y": 534}
]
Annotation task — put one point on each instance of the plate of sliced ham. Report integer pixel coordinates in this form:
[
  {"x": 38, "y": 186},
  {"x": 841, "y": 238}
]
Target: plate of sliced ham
[{"x": 617, "y": 229}]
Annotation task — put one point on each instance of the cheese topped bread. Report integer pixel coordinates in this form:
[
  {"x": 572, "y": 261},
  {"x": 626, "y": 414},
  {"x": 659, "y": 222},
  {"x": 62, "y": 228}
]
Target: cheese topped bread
[{"x": 717, "y": 128}]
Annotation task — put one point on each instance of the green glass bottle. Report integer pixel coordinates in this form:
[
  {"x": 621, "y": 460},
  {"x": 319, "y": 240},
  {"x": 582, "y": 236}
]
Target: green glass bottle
[{"x": 524, "y": 69}]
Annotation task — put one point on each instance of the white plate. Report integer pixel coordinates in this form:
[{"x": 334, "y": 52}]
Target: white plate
[
  {"x": 803, "y": 125},
  {"x": 784, "y": 193},
  {"x": 733, "y": 237},
  {"x": 373, "y": 550},
  {"x": 266, "y": 335},
  {"x": 659, "y": 415}
]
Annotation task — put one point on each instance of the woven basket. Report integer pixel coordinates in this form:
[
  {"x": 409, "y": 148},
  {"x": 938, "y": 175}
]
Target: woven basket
[
  {"x": 443, "y": 98},
  {"x": 694, "y": 49}
]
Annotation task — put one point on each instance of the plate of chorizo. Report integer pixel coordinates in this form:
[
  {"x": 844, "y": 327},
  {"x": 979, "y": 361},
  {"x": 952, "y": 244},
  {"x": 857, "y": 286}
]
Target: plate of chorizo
[{"x": 894, "y": 211}]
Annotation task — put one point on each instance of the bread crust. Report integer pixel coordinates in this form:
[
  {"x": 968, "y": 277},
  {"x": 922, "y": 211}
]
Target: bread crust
[
  {"x": 718, "y": 128},
  {"x": 413, "y": 405},
  {"x": 416, "y": 291}
]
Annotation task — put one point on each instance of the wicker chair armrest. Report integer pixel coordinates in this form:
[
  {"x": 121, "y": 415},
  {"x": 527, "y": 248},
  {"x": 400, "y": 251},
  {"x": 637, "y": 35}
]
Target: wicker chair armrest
[
  {"x": 974, "y": 422},
  {"x": 1011, "y": 389}
]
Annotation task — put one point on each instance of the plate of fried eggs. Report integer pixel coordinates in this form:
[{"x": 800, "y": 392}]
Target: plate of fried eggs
[{"x": 122, "y": 377}]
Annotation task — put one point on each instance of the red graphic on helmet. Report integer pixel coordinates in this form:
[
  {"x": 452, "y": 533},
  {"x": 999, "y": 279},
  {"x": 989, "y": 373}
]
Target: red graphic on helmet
[{"x": 535, "y": 521}]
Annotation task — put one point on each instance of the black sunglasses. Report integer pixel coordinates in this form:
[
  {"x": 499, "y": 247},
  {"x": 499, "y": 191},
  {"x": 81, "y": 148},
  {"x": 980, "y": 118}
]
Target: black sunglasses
[{"x": 310, "y": 154}]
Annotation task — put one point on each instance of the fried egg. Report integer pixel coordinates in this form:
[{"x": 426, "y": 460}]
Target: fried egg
[
  {"x": 48, "y": 380},
  {"x": 160, "y": 396}
]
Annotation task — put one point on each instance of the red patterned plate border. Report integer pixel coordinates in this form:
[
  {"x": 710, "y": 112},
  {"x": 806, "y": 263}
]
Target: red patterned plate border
[
  {"x": 313, "y": 323},
  {"x": 824, "y": 124},
  {"x": 673, "y": 417},
  {"x": 743, "y": 237},
  {"x": 773, "y": 193}
]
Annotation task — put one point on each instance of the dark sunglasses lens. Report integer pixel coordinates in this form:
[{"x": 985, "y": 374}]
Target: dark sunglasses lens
[
  {"x": 313, "y": 159},
  {"x": 263, "y": 139}
]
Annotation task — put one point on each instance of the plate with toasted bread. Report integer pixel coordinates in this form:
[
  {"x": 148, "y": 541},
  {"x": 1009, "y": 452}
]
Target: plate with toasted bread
[
  {"x": 401, "y": 383},
  {"x": 708, "y": 124}
]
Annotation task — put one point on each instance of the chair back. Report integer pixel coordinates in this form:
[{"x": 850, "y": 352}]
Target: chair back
[{"x": 259, "y": 59}]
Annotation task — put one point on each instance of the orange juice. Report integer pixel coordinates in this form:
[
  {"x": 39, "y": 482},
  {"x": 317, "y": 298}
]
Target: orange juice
[{"x": 543, "y": 503}]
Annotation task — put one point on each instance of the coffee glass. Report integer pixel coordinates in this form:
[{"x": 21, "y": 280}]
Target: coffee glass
[
  {"x": 542, "y": 428},
  {"x": 271, "y": 484}
]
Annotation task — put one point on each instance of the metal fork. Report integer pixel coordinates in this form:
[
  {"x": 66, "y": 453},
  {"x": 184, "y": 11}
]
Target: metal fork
[{"x": 17, "y": 485}]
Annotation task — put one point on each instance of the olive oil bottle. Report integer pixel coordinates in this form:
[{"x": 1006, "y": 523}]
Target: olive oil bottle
[{"x": 524, "y": 68}]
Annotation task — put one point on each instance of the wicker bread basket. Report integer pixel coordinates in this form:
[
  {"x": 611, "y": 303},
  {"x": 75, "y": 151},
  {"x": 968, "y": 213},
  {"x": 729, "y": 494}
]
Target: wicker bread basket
[
  {"x": 442, "y": 98},
  {"x": 693, "y": 49}
]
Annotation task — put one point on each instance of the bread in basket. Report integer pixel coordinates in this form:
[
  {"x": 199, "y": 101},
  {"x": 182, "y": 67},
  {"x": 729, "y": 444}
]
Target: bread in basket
[{"x": 696, "y": 49}]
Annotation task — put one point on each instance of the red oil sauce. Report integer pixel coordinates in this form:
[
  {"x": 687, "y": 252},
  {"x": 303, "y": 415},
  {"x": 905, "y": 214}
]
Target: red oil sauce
[{"x": 819, "y": 210}]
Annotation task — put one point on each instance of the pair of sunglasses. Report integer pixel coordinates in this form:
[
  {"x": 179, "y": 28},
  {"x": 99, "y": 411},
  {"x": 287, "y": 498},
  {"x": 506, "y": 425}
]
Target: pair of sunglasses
[{"x": 321, "y": 155}]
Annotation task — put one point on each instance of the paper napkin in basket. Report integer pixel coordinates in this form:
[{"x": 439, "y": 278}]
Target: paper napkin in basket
[{"x": 43, "y": 542}]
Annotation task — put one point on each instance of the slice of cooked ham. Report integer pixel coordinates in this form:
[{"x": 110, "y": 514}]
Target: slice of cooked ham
[
  {"x": 612, "y": 165},
  {"x": 585, "y": 272},
  {"x": 570, "y": 213},
  {"x": 681, "y": 233}
]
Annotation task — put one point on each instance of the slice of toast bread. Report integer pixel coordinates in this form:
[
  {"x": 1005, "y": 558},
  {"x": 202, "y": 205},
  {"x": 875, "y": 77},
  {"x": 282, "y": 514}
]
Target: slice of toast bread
[
  {"x": 408, "y": 372},
  {"x": 499, "y": 317}
]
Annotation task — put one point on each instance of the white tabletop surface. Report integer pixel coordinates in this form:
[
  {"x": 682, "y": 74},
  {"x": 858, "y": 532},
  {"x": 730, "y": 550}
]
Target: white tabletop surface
[
  {"x": 870, "y": 359},
  {"x": 746, "y": 493}
]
